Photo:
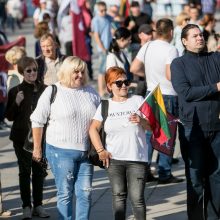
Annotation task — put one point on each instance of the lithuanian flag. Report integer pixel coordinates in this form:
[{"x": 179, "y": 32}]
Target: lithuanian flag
[
  {"x": 154, "y": 109},
  {"x": 124, "y": 8}
]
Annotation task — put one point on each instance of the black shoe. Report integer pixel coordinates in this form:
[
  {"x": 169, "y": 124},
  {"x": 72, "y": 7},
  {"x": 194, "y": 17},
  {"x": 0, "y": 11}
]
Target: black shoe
[
  {"x": 175, "y": 160},
  {"x": 171, "y": 179},
  {"x": 151, "y": 178}
]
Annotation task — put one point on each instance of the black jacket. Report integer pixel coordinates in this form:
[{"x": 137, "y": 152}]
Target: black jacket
[
  {"x": 20, "y": 115},
  {"x": 42, "y": 67},
  {"x": 194, "y": 78}
]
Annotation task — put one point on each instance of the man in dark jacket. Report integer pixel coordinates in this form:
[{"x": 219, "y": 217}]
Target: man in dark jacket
[
  {"x": 133, "y": 22},
  {"x": 196, "y": 78},
  {"x": 50, "y": 60}
]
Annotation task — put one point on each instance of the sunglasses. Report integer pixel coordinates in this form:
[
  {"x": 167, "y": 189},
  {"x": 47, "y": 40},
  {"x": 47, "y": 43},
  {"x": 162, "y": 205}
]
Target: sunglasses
[
  {"x": 119, "y": 83},
  {"x": 30, "y": 70}
]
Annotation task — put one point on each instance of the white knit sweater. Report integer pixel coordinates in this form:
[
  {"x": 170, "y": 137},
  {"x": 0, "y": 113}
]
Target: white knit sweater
[{"x": 70, "y": 116}]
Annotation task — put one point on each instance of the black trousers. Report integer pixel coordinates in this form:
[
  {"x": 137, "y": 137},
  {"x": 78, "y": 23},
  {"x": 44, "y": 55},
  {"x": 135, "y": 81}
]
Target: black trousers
[
  {"x": 201, "y": 154},
  {"x": 27, "y": 169},
  {"x": 127, "y": 178}
]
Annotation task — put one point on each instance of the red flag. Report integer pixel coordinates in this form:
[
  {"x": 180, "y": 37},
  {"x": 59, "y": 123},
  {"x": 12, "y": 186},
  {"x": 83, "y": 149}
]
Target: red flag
[
  {"x": 168, "y": 147},
  {"x": 79, "y": 40},
  {"x": 127, "y": 11}
]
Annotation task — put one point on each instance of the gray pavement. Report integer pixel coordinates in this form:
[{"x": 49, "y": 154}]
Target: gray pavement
[{"x": 164, "y": 202}]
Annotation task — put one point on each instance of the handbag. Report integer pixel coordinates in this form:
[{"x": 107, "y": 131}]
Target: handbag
[
  {"x": 92, "y": 154},
  {"x": 28, "y": 143}
]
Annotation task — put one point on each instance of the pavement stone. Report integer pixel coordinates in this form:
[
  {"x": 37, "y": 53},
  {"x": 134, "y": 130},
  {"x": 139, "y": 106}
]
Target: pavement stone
[{"x": 165, "y": 202}]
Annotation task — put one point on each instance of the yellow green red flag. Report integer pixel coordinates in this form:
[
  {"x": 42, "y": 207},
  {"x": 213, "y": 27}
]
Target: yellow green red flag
[{"x": 154, "y": 109}]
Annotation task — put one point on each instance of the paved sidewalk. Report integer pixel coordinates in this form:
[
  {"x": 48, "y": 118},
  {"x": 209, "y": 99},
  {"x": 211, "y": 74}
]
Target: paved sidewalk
[{"x": 164, "y": 202}]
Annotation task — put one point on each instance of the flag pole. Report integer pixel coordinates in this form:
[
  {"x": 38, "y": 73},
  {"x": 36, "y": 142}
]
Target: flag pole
[{"x": 147, "y": 97}]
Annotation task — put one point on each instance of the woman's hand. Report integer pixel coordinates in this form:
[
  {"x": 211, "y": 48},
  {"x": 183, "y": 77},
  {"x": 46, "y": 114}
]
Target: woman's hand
[
  {"x": 37, "y": 154},
  {"x": 104, "y": 156},
  {"x": 19, "y": 97},
  {"x": 135, "y": 118}
]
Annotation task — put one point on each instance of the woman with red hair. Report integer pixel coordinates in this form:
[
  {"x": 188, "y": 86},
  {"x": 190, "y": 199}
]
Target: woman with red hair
[{"x": 125, "y": 154}]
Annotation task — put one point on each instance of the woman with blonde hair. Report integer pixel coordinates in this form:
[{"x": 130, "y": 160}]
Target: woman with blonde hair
[
  {"x": 181, "y": 21},
  {"x": 13, "y": 56},
  {"x": 67, "y": 139}
]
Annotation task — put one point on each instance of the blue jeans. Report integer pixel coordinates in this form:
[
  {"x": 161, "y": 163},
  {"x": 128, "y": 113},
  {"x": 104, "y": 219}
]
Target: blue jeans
[
  {"x": 165, "y": 162},
  {"x": 201, "y": 154},
  {"x": 73, "y": 172},
  {"x": 128, "y": 178}
]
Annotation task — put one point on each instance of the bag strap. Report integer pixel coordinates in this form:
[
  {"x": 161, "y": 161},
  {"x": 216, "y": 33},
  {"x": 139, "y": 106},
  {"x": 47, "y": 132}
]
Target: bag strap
[
  {"x": 104, "y": 112},
  {"x": 146, "y": 51},
  {"x": 53, "y": 93}
]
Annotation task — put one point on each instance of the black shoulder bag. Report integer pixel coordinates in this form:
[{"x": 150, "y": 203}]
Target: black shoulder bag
[
  {"x": 92, "y": 154},
  {"x": 28, "y": 144}
]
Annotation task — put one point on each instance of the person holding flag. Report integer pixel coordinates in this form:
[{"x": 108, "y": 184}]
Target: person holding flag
[{"x": 125, "y": 155}]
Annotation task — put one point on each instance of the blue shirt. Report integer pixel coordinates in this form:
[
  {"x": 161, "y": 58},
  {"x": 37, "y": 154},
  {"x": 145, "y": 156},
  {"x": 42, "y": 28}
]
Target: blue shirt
[{"x": 102, "y": 26}]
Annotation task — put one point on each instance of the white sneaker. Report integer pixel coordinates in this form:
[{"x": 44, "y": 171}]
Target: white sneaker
[
  {"x": 40, "y": 211},
  {"x": 5, "y": 214},
  {"x": 27, "y": 213}
]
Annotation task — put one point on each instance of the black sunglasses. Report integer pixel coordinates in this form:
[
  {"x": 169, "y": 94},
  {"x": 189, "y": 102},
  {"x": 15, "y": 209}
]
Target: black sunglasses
[
  {"x": 30, "y": 70},
  {"x": 119, "y": 83}
]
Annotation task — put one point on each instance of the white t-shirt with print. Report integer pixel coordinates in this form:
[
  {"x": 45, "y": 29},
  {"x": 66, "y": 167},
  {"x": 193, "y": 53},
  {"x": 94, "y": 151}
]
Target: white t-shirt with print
[
  {"x": 124, "y": 140},
  {"x": 158, "y": 54}
]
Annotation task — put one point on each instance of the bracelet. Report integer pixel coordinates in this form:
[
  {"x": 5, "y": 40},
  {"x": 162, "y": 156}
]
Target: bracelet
[{"x": 101, "y": 151}]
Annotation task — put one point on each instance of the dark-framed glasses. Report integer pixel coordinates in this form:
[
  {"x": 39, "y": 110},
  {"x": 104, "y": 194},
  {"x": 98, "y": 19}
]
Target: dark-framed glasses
[
  {"x": 119, "y": 83},
  {"x": 30, "y": 70}
]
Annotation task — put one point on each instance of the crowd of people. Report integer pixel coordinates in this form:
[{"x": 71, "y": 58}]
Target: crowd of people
[{"x": 135, "y": 54}]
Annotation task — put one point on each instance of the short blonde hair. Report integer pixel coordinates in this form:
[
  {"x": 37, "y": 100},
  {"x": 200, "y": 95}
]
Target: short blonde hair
[
  {"x": 181, "y": 17},
  {"x": 69, "y": 65},
  {"x": 14, "y": 54}
]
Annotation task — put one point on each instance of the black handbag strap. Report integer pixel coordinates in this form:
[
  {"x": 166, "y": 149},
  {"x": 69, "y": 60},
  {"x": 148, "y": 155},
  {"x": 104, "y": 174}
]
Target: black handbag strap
[
  {"x": 53, "y": 94},
  {"x": 104, "y": 112}
]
